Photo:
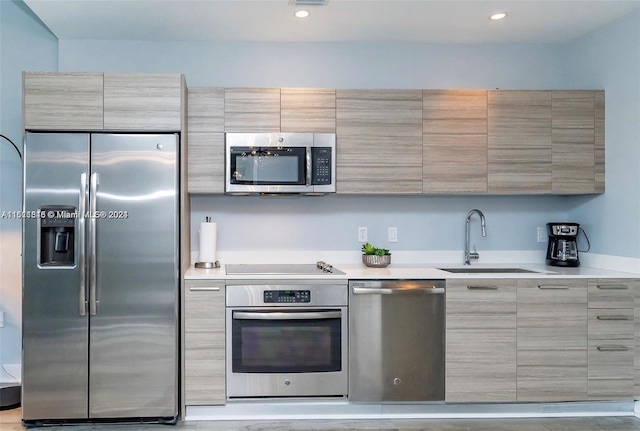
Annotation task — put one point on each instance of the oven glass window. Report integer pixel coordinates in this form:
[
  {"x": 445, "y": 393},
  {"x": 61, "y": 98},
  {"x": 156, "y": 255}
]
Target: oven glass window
[
  {"x": 268, "y": 166},
  {"x": 286, "y": 346}
]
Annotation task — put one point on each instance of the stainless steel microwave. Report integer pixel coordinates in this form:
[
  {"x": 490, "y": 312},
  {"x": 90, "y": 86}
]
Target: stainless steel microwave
[{"x": 271, "y": 163}]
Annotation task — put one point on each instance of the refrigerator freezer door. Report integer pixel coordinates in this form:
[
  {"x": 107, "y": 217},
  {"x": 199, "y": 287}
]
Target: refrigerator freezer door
[
  {"x": 134, "y": 331},
  {"x": 55, "y": 333}
]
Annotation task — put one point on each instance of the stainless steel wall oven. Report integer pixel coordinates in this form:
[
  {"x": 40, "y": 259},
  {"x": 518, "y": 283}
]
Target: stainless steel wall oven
[{"x": 287, "y": 339}]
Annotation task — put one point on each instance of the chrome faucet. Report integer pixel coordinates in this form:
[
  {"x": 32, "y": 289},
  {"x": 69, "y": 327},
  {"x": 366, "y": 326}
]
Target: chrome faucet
[{"x": 468, "y": 255}]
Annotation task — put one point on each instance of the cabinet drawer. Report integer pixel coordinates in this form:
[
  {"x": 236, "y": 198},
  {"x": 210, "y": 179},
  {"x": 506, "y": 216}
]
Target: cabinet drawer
[
  {"x": 610, "y": 374},
  {"x": 610, "y": 323},
  {"x": 611, "y": 293}
]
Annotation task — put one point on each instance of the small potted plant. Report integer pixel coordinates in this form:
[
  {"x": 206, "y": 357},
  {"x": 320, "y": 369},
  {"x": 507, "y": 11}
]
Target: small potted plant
[{"x": 375, "y": 257}]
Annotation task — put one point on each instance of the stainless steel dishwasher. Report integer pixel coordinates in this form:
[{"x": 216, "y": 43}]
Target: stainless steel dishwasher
[{"x": 396, "y": 340}]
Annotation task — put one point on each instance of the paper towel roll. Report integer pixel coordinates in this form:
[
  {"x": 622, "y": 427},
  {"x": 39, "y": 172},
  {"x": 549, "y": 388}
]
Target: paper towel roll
[{"x": 208, "y": 238}]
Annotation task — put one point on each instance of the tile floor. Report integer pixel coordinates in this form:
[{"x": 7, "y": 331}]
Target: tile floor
[{"x": 10, "y": 421}]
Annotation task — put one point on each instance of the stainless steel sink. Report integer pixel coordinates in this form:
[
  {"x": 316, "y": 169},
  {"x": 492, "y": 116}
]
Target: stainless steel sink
[{"x": 472, "y": 270}]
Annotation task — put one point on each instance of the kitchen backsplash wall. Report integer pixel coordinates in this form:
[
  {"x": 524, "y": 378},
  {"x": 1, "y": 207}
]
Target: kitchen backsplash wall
[{"x": 331, "y": 222}]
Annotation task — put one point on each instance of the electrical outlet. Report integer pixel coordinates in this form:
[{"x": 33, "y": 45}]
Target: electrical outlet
[
  {"x": 362, "y": 234},
  {"x": 392, "y": 234},
  {"x": 542, "y": 234}
]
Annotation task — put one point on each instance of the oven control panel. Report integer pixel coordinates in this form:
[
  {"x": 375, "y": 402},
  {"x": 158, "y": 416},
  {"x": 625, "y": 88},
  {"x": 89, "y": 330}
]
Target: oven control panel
[{"x": 286, "y": 296}]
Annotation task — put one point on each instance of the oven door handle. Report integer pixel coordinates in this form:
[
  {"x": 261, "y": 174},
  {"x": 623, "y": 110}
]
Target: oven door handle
[{"x": 310, "y": 315}]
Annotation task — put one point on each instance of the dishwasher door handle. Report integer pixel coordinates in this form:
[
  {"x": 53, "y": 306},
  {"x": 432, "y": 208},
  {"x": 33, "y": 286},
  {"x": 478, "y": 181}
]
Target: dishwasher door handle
[{"x": 397, "y": 291}]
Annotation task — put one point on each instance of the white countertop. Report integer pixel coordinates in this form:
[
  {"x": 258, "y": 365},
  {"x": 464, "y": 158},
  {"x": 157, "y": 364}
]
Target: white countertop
[{"x": 422, "y": 271}]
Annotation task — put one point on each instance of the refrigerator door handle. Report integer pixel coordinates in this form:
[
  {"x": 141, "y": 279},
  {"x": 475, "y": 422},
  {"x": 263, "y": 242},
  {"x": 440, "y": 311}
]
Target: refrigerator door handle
[
  {"x": 93, "y": 302},
  {"x": 82, "y": 243}
]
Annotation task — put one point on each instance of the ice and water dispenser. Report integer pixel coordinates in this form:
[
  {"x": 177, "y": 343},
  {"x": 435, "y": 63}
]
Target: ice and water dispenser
[{"x": 57, "y": 231}]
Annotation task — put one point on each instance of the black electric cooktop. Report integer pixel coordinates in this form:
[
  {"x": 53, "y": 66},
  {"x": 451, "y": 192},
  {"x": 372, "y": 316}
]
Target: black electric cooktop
[{"x": 320, "y": 268}]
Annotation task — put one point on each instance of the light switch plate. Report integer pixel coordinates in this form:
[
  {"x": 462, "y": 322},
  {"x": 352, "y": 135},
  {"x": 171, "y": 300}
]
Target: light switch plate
[
  {"x": 392, "y": 234},
  {"x": 542, "y": 234},
  {"x": 1, "y": 319}
]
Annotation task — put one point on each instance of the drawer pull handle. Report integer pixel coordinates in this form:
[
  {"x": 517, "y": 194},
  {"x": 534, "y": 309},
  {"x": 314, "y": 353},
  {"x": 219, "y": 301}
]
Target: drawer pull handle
[
  {"x": 552, "y": 286},
  {"x": 204, "y": 289},
  {"x": 612, "y": 286},
  {"x": 613, "y": 318},
  {"x": 482, "y": 287},
  {"x": 612, "y": 348}
]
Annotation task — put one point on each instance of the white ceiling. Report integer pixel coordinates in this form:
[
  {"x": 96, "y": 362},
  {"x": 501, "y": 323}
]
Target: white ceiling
[{"x": 422, "y": 21}]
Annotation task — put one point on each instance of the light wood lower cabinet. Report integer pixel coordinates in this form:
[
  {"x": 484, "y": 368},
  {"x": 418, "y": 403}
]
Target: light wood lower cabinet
[
  {"x": 481, "y": 340},
  {"x": 204, "y": 343},
  {"x": 611, "y": 339},
  {"x": 552, "y": 340}
]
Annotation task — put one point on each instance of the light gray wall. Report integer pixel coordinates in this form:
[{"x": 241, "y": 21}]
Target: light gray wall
[
  {"x": 24, "y": 45},
  {"x": 609, "y": 58},
  {"x": 330, "y": 222}
]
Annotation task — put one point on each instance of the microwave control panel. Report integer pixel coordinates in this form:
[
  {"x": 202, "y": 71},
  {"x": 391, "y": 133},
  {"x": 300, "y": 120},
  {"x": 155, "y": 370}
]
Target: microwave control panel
[
  {"x": 286, "y": 296},
  {"x": 321, "y": 174}
]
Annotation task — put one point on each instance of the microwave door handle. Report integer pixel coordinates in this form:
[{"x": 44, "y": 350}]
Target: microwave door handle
[
  {"x": 309, "y": 169},
  {"x": 313, "y": 315}
]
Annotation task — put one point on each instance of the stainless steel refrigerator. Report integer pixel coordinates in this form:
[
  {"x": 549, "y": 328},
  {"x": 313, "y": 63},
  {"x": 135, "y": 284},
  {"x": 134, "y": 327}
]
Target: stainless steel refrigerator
[{"x": 100, "y": 277}]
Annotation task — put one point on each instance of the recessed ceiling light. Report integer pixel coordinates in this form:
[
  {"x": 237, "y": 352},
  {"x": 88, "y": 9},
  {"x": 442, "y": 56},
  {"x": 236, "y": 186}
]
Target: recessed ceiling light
[
  {"x": 302, "y": 13},
  {"x": 498, "y": 16}
]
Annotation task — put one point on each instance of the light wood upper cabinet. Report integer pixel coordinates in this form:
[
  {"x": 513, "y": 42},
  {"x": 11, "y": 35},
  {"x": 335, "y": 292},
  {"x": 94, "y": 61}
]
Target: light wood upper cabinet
[
  {"x": 62, "y": 101},
  {"x": 252, "y": 110},
  {"x": 206, "y": 140},
  {"x": 454, "y": 126},
  {"x": 481, "y": 340},
  {"x": 142, "y": 101},
  {"x": 308, "y": 110},
  {"x": 573, "y": 137},
  {"x": 552, "y": 340},
  {"x": 206, "y": 163},
  {"x": 206, "y": 109},
  {"x": 96, "y": 101},
  {"x": 519, "y": 142},
  {"x": 379, "y": 141},
  {"x": 204, "y": 343}
]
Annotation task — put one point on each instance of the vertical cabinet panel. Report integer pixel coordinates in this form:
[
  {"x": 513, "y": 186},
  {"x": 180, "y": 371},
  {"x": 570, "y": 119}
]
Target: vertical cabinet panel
[
  {"x": 454, "y": 125},
  {"x": 599, "y": 162},
  {"x": 62, "y": 101},
  {"x": 519, "y": 142},
  {"x": 252, "y": 110},
  {"x": 379, "y": 135},
  {"x": 552, "y": 340},
  {"x": 636, "y": 336},
  {"x": 206, "y": 163},
  {"x": 206, "y": 140},
  {"x": 481, "y": 341},
  {"x": 573, "y": 137},
  {"x": 204, "y": 343},
  {"x": 308, "y": 110},
  {"x": 142, "y": 102}
]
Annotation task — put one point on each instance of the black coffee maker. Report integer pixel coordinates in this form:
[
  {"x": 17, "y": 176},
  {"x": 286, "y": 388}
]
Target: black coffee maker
[{"x": 563, "y": 244}]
